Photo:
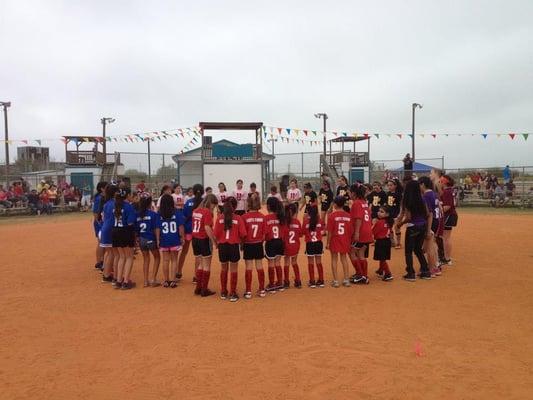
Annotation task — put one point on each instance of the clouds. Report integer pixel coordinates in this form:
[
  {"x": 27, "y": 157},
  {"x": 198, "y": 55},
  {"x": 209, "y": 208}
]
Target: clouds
[{"x": 169, "y": 64}]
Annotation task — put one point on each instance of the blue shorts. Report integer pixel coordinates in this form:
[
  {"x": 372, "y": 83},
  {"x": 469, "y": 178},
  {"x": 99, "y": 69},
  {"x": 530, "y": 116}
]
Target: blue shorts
[
  {"x": 97, "y": 227},
  {"x": 105, "y": 237}
]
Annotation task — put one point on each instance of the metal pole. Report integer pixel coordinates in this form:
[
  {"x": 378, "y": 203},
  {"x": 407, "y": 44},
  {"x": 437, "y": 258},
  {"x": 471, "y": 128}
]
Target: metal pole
[
  {"x": 413, "y": 137},
  {"x": 274, "y": 157},
  {"x": 149, "y": 163},
  {"x": 368, "y": 161},
  {"x": 6, "y": 131},
  {"x": 104, "y": 142},
  {"x": 302, "y": 166}
]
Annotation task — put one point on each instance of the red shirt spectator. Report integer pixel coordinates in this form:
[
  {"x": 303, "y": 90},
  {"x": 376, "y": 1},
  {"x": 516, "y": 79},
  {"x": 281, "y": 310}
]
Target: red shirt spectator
[{"x": 141, "y": 187}]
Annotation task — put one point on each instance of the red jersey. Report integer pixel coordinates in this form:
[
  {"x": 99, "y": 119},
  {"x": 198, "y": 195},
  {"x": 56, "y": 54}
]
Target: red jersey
[
  {"x": 448, "y": 199},
  {"x": 381, "y": 229},
  {"x": 255, "y": 229},
  {"x": 272, "y": 227},
  {"x": 315, "y": 235},
  {"x": 361, "y": 211},
  {"x": 340, "y": 228},
  {"x": 291, "y": 237},
  {"x": 201, "y": 217},
  {"x": 233, "y": 235}
]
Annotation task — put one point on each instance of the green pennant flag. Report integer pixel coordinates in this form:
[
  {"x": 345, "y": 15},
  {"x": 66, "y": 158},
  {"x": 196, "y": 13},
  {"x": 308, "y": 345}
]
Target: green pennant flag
[
  {"x": 314, "y": 133},
  {"x": 525, "y": 135},
  {"x": 376, "y": 135}
]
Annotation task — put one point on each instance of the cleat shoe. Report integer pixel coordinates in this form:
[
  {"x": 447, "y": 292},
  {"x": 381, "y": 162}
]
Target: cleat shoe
[
  {"x": 198, "y": 291},
  {"x": 286, "y": 284},
  {"x": 380, "y": 273},
  {"x": 223, "y": 295},
  {"x": 127, "y": 285},
  {"x": 107, "y": 279},
  {"x": 387, "y": 277},
  {"x": 118, "y": 285},
  {"x": 271, "y": 288},
  {"x": 363, "y": 281},
  {"x": 346, "y": 283},
  {"x": 281, "y": 287},
  {"x": 320, "y": 284},
  {"x": 409, "y": 277},
  {"x": 335, "y": 284},
  {"x": 179, "y": 275},
  {"x": 233, "y": 297},
  {"x": 262, "y": 293},
  {"x": 449, "y": 262},
  {"x": 248, "y": 295},
  {"x": 194, "y": 280},
  {"x": 207, "y": 292},
  {"x": 298, "y": 284},
  {"x": 358, "y": 278},
  {"x": 438, "y": 271},
  {"x": 312, "y": 284}
]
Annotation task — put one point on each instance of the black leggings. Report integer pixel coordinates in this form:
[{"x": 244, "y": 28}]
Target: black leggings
[{"x": 414, "y": 239}]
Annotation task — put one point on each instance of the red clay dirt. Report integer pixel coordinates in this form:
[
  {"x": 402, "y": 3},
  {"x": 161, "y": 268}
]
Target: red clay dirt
[{"x": 465, "y": 335}]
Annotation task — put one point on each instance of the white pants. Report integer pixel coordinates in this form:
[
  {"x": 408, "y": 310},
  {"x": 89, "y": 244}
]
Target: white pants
[{"x": 86, "y": 200}]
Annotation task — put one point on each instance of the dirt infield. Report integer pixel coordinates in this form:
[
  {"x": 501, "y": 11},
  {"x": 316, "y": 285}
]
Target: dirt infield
[{"x": 65, "y": 335}]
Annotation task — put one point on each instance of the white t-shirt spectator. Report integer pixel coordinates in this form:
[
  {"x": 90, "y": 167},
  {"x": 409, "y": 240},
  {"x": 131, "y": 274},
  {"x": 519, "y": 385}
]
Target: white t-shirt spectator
[
  {"x": 294, "y": 195},
  {"x": 241, "y": 196},
  {"x": 221, "y": 197}
]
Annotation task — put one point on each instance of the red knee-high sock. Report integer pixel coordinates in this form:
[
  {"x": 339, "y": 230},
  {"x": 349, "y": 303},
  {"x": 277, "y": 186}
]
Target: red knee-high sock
[
  {"x": 286, "y": 273},
  {"x": 233, "y": 281},
  {"x": 224, "y": 280},
  {"x": 261, "y": 278},
  {"x": 357, "y": 266},
  {"x": 279, "y": 275},
  {"x": 384, "y": 267},
  {"x": 205, "y": 279},
  {"x": 248, "y": 280},
  {"x": 199, "y": 277},
  {"x": 296, "y": 269},
  {"x": 271, "y": 276},
  {"x": 364, "y": 267},
  {"x": 320, "y": 272},
  {"x": 311, "y": 269}
]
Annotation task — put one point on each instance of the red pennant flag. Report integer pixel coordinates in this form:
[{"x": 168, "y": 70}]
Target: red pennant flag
[
  {"x": 399, "y": 135},
  {"x": 512, "y": 135},
  {"x": 365, "y": 135},
  {"x": 305, "y": 132},
  {"x": 64, "y": 140},
  {"x": 24, "y": 141},
  {"x": 279, "y": 130},
  {"x": 434, "y": 136},
  {"x": 335, "y": 133}
]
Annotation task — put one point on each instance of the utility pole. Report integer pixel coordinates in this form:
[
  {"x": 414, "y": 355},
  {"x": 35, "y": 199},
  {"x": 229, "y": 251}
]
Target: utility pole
[
  {"x": 105, "y": 121},
  {"x": 149, "y": 161},
  {"x": 273, "y": 141},
  {"x": 6, "y": 104},
  {"x": 415, "y": 105},
  {"x": 324, "y": 117}
]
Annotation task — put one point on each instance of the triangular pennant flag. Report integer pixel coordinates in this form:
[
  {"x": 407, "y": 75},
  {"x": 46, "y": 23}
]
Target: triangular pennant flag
[
  {"x": 305, "y": 132},
  {"x": 421, "y": 135},
  {"x": 512, "y": 135},
  {"x": 279, "y": 130},
  {"x": 484, "y": 135},
  {"x": 314, "y": 133},
  {"x": 38, "y": 142},
  {"x": 288, "y": 131},
  {"x": 389, "y": 135},
  {"x": 434, "y": 136},
  {"x": 525, "y": 135},
  {"x": 344, "y": 133},
  {"x": 410, "y": 135},
  {"x": 365, "y": 135},
  {"x": 376, "y": 135},
  {"x": 24, "y": 141},
  {"x": 297, "y": 132},
  {"x": 64, "y": 140},
  {"x": 399, "y": 135},
  {"x": 85, "y": 139}
]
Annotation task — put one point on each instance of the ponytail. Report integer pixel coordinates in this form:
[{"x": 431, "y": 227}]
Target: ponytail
[
  {"x": 229, "y": 205},
  {"x": 198, "y": 191},
  {"x": 120, "y": 196},
  {"x": 313, "y": 217},
  {"x": 144, "y": 204},
  {"x": 290, "y": 211},
  {"x": 275, "y": 206}
]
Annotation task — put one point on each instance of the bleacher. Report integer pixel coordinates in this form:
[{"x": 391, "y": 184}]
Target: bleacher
[{"x": 24, "y": 210}]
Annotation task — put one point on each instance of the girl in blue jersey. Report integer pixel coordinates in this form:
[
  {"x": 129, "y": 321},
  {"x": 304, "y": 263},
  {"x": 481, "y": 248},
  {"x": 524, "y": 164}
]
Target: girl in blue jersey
[
  {"x": 147, "y": 224},
  {"x": 123, "y": 238},
  {"x": 97, "y": 223},
  {"x": 169, "y": 235},
  {"x": 190, "y": 204},
  {"x": 105, "y": 214}
]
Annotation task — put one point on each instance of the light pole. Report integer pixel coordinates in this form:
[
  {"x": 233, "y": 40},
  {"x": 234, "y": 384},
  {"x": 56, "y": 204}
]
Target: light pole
[
  {"x": 105, "y": 121},
  {"x": 6, "y": 104},
  {"x": 415, "y": 105},
  {"x": 148, "y": 139},
  {"x": 272, "y": 140},
  {"x": 324, "y": 117}
]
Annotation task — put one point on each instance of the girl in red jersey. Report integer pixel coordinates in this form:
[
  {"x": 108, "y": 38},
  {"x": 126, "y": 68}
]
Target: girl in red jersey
[
  {"x": 340, "y": 232},
  {"x": 362, "y": 234},
  {"x": 202, "y": 237},
  {"x": 253, "y": 245},
  {"x": 229, "y": 231},
  {"x": 382, "y": 234},
  {"x": 312, "y": 229},
  {"x": 291, "y": 233},
  {"x": 274, "y": 243}
]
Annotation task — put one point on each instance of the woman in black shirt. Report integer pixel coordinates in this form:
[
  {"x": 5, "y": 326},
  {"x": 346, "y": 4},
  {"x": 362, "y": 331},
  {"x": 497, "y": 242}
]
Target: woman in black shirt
[
  {"x": 326, "y": 198},
  {"x": 344, "y": 190}
]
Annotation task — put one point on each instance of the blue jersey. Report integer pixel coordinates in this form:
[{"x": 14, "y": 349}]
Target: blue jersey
[
  {"x": 147, "y": 225},
  {"x": 108, "y": 216},
  {"x": 96, "y": 203},
  {"x": 127, "y": 218},
  {"x": 169, "y": 230},
  {"x": 187, "y": 214}
]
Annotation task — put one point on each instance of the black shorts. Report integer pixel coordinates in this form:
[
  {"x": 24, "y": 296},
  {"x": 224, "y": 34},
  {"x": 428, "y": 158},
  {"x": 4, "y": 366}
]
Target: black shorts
[
  {"x": 123, "y": 236},
  {"x": 325, "y": 207},
  {"x": 450, "y": 221},
  {"x": 228, "y": 252},
  {"x": 147, "y": 245},
  {"x": 253, "y": 251},
  {"x": 240, "y": 212},
  {"x": 314, "y": 248},
  {"x": 274, "y": 248},
  {"x": 359, "y": 245},
  {"x": 382, "y": 249},
  {"x": 201, "y": 247}
]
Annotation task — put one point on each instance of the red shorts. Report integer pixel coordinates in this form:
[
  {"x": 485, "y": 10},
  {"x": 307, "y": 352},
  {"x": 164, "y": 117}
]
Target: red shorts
[
  {"x": 173, "y": 248},
  {"x": 339, "y": 247}
]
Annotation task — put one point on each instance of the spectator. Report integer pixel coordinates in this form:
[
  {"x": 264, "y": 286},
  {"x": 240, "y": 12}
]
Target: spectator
[
  {"x": 86, "y": 197},
  {"x": 18, "y": 194},
  {"x": 476, "y": 179},
  {"x": 326, "y": 178},
  {"x": 45, "y": 202},
  {"x": 4, "y": 199},
  {"x": 52, "y": 195},
  {"x": 68, "y": 195},
  {"x": 506, "y": 174},
  {"x": 468, "y": 182},
  {"x": 24, "y": 185},
  {"x": 510, "y": 188},
  {"x": 42, "y": 185},
  {"x": 34, "y": 202},
  {"x": 499, "y": 196},
  {"x": 407, "y": 165},
  {"x": 141, "y": 187},
  {"x": 62, "y": 184}
]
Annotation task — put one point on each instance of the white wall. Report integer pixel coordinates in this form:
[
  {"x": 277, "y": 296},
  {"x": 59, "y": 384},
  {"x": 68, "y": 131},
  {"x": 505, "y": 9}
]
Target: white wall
[
  {"x": 229, "y": 173},
  {"x": 97, "y": 173},
  {"x": 190, "y": 173}
]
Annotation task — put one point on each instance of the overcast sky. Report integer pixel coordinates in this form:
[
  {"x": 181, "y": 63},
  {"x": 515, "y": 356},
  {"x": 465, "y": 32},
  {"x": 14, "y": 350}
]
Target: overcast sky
[{"x": 169, "y": 64}]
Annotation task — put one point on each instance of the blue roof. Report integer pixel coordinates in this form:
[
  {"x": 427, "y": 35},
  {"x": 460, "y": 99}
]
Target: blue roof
[{"x": 418, "y": 167}]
